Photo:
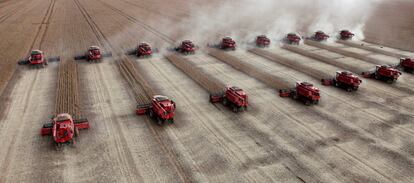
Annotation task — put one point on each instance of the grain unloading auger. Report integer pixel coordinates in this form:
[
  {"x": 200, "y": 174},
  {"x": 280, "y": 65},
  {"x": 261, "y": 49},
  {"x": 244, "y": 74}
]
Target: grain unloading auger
[
  {"x": 37, "y": 59},
  {"x": 93, "y": 54},
  {"x": 63, "y": 129}
]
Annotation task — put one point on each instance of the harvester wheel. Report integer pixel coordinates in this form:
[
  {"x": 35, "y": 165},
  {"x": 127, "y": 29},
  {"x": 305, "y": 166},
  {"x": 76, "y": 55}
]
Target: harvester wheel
[
  {"x": 76, "y": 132},
  {"x": 225, "y": 102},
  {"x": 159, "y": 121},
  {"x": 307, "y": 102},
  {"x": 235, "y": 109},
  {"x": 294, "y": 96},
  {"x": 151, "y": 113},
  {"x": 376, "y": 76},
  {"x": 73, "y": 142},
  {"x": 348, "y": 89},
  {"x": 171, "y": 121}
]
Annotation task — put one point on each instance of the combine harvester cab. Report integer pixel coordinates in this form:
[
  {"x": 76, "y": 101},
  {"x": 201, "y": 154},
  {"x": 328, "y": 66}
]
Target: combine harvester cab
[
  {"x": 345, "y": 80},
  {"x": 384, "y": 73},
  {"x": 143, "y": 50},
  {"x": 186, "y": 47},
  {"x": 346, "y": 35},
  {"x": 93, "y": 54},
  {"x": 303, "y": 91},
  {"x": 293, "y": 39},
  {"x": 64, "y": 129},
  {"x": 320, "y": 36},
  {"x": 161, "y": 108},
  {"x": 407, "y": 64},
  {"x": 262, "y": 41},
  {"x": 234, "y": 97},
  {"x": 37, "y": 59},
  {"x": 227, "y": 43}
]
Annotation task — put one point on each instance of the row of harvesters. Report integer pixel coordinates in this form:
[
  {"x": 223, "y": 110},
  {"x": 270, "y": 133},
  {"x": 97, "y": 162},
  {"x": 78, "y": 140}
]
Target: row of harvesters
[{"x": 294, "y": 39}]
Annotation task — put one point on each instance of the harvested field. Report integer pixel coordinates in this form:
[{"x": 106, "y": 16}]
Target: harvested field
[{"x": 363, "y": 136}]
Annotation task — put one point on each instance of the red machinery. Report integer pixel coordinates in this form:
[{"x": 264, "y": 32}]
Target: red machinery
[
  {"x": 233, "y": 96},
  {"x": 346, "y": 35},
  {"x": 344, "y": 79},
  {"x": 93, "y": 54},
  {"x": 37, "y": 59},
  {"x": 64, "y": 129},
  {"x": 383, "y": 72},
  {"x": 142, "y": 50},
  {"x": 293, "y": 38},
  {"x": 303, "y": 91},
  {"x": 186, "y": 47},
  {"x": 228, "y": 43},
  {"x": 262, "y": 41},
  {"x": 161, "y": 108},
  {"x": 320, "y": 36},
  {"x": 407, "y": 64}
]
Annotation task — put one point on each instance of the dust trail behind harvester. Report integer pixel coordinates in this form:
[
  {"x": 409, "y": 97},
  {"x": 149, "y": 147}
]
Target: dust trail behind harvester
[{"x": 245, "y": 19}]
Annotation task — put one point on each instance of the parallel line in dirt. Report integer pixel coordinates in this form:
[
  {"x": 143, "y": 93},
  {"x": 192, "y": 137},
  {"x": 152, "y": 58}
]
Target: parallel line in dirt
[
  {"x": 342, "y": 65},
  {"x": 217, "y": 133},
  {"x": 372, "y": 49},
  {"x": 104, "y": 41},
  {"x": 14, "y": 137},
  {"x": 220, "y": 57},
  {"x": 211, "y": 84},
  {"x": 343, "y": 52},
  {"x": 141, "y": 23},
  {"x": 270, "y": 146}
]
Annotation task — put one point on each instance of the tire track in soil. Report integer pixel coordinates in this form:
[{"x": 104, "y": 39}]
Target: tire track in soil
[
  {"x": 104, "y": 41},
  {"x": 11, "y": 13},
  {"x": 311, "y": 72},
  {"x": 382, "y": 150},
  {"x": 131, "y": 76},
  {"x": 220, "y": 137},
  {"x": 307, "y": 149},
  {"x": 327, "y": 116},
  {"x": 244, "y": 125},
  {"x": 8, "y": 159}
]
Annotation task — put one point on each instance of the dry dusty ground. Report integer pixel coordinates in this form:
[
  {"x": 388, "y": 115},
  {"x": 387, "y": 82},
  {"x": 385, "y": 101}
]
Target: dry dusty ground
[{"x": 349, "y": 137}]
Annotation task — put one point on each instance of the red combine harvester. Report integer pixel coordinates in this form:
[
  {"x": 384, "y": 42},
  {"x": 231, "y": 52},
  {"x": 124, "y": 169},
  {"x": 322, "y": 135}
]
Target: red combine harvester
[
  {"x": 407, "y": 64},
  {"x": 37, "y": 59},
  {"x": 262, "y": 41},
  {"x": 293, "y": 38},
  {"x": 227, "y": 43},
  {"x": 320, "y": 36},
  {"x": 186, "y": 47},
  {"x": 344, "y": 79},
  {"x": 384, "y": 73},
  {"x": 93, "y": 54},
  {"x": 303, "y": 91},
  {"x": 161, "y": 108},
  {"x": 346, "y": 35},
  {"x": 142, "y": 50},
  {"x": 64, "y": 129},
  {"x": 233, "y": 96}
]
